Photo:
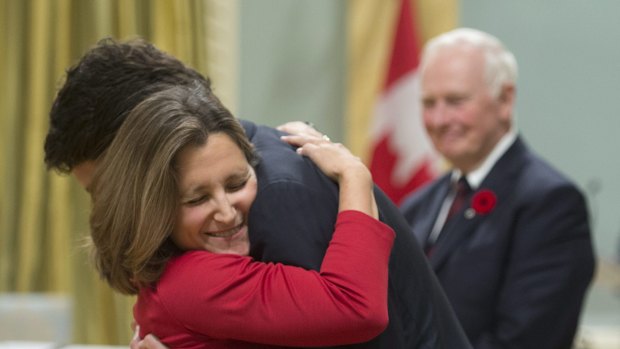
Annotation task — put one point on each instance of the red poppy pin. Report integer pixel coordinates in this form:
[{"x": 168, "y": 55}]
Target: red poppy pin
[{"x": 482, "y": 203}]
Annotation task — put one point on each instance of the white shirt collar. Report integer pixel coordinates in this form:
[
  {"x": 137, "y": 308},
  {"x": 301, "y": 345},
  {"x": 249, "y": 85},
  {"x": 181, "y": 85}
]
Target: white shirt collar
[{"x": 475, "y": 177}]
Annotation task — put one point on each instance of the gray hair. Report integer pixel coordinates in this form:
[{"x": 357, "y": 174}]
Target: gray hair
[{"x": 500, "y": 63}]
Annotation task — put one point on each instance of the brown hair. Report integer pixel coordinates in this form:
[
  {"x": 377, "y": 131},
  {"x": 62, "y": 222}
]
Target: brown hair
[{"x": 134, "y": 191}]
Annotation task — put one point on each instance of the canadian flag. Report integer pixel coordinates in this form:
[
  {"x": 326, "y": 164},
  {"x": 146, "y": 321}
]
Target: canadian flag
[{"x": 402, "y": 156}]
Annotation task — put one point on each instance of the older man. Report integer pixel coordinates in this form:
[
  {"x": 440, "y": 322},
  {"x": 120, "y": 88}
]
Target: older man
[{"x": 506, "y": 233}]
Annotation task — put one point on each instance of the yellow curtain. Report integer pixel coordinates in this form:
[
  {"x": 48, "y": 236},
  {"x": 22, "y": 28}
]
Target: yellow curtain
[
  {"x": 369, "y": 35},
  {"x": 43, "y": 216}
]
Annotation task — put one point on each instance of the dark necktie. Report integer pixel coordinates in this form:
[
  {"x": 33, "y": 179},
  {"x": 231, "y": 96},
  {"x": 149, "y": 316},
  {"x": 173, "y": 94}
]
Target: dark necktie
[{"x": 460, "y": 189}]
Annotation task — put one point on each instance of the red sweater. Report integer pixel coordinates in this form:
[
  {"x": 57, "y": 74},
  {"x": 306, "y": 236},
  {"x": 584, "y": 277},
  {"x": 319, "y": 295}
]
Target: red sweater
[{"x": 207, "y": 300}]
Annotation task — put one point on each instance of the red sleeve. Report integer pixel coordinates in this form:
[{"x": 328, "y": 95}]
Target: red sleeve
[{"x": 234, "y": 297}]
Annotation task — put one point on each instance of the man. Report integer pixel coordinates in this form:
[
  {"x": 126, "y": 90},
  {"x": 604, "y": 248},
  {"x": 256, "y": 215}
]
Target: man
[
  {"x": 516, "y": 258},
  {"x": 293, "y": 215}
]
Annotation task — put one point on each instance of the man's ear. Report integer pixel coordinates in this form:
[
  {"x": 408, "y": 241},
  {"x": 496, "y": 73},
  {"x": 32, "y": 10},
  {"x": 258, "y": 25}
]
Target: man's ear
[{"x": 506, "y": 100}]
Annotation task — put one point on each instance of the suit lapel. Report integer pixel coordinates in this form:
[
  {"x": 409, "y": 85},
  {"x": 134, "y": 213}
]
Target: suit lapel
[{"x": 424, "y": 222}]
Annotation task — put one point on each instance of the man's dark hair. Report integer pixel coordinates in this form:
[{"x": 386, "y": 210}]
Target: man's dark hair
[{"x": 99, "y": 92}]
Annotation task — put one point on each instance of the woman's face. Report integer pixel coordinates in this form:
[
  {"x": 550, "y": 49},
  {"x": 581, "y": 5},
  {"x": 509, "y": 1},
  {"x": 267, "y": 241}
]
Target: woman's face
[{"x": 217, "y": 186}]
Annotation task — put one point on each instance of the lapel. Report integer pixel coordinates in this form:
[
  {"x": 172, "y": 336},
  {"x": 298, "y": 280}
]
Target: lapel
[
  {"x": 424, "y": 222},
  {"x": 501, "y": 181}
]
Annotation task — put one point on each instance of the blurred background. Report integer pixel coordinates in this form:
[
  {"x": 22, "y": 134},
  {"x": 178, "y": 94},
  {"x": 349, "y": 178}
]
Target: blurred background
[{"x": 271, "y": 61}]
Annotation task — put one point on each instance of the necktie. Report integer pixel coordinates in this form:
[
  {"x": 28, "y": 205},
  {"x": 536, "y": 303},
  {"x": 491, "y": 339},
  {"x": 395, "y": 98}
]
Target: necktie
[{"x": 460, "y": 190}]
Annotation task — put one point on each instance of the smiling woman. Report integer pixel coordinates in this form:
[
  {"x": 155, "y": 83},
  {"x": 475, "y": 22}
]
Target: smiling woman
[
  {"x": 171, "y": 198},
  {"x": 217, "y": 187},
  {"x": 135, "y": 187}
]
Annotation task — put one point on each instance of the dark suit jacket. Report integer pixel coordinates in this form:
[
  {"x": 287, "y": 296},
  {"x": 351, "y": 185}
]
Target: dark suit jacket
[
  {"x": 517, "y": 276},
  {"x": 292, "y": 220}
]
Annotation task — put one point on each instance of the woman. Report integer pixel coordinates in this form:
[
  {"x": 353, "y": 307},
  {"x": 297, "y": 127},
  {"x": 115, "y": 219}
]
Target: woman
[{"x": 169, "y": 223}]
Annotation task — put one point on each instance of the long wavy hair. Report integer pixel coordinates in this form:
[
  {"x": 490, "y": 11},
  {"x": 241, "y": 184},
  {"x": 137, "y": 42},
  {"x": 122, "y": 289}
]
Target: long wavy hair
[{"x": 134, "y": 190}]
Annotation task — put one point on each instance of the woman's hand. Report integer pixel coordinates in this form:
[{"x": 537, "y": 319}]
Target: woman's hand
[
  {"x": 337, "y": 162},
  {"x": 301, "y": 128},
  {"x": 149, "y": 342},
  {"x": 334, "y": 159}
]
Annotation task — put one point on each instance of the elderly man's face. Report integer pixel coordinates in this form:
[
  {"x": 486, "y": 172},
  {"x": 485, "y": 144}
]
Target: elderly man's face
[{"x": 462, "y": 118}]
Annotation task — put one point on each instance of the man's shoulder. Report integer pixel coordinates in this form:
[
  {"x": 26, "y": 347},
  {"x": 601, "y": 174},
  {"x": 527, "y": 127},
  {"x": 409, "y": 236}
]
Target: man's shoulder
[
  {"x": 269, "y": 146},
  {"x": 538, "y": 174},
  {"x": 279, "y": 164}
]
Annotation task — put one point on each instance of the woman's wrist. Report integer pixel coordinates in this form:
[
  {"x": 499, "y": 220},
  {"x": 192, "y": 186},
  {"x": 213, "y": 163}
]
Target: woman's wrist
[{"x": 356, "y": 191}]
